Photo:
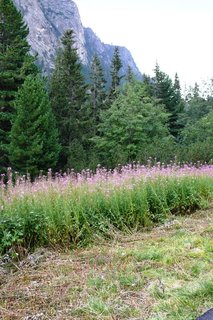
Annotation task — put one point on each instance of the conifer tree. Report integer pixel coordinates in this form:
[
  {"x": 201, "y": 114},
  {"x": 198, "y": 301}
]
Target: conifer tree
[
  {"x": 177, "y": 88},
  {"x": 169, "y": 95},
  {"x": 196, "y": 106},
  {"x": 180, "y": 105},
  {"x": 196, "y": 91},
  {"x": 34, "y": 137},
  {"x": 98, "y": 91},
  {"x": 133, "y": 128},
  {"x": 68, "y": 96},
  {"x": 116, "y": 77},
  {"x": 149, "y": 85},
  {"x": 14, "y": 64},
  {"x": 129, "y": 75}
]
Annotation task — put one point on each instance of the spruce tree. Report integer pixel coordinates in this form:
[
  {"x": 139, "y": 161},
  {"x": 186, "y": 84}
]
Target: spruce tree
[
  {"x": 68, "y": 96},
  {"x": 179, "y": 108},
  {"x": 196, "y": 106},
  {"x": 177, "y": 88},
  {"x": 97, "y": 92},
  {"x": 34, "y": 138},
  {"x": 169, "y": 95},
  {"x": 116, "y": 76},
  {"x": 14, "y": 57},
  {"x": 129, "y": 75}
]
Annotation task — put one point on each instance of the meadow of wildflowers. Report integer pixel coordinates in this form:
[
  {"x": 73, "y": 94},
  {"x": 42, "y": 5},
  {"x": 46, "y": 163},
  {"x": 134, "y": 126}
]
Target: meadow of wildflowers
[{"x": 69, "y": 209}]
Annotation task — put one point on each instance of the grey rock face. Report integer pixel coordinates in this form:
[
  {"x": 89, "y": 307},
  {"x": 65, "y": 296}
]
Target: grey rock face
[
  {"x": 105, "y": 53},
  {"x": 48, "y": 19}
]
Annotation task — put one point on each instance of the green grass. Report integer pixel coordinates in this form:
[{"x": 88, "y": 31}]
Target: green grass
[
  {"x": 163, "y": 274},
  {"x": 54, "y": 216}
]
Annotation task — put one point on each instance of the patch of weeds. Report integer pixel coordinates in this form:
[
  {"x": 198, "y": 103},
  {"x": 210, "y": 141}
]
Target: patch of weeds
[
  {"x": 208, "y": 247},
  {"x": 96, "y": 282},
  {"x": 101, "y": 260},
  {"x": 130, "y": 280},
  {"x": 198, "y": 268},
  {"x": 209, "y": 230},
  {"x": 184, "y": 303},
  {"x": 123, "y": 311},
  {"x": 97, "y": 307},
  {"x": 103, "y": 288},
  {"x": 180, "y": 233},
  {"x": 149, "y": 254}
]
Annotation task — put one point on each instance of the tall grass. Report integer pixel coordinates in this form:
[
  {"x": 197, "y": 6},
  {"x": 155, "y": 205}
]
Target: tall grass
[{"x": 72, "y": 209}]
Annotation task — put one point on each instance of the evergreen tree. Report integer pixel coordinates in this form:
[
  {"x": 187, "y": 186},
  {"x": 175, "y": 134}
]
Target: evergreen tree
[
  {"x": 116, "y": 77},
  {"x": 97, "y": 92},
  {"x": 170, "y": 96},
  {"x": 129, "y": 75},
  {"x": 34, "y": 137},
  {"x": 149, "y": 85},
  {"x": 179, "y": 105},
  {"x": 68, "y": 96},
  {"x": 133, "y": 128},
  {"x": 196, "y": 91},
  {"x": 15, "y": 62},
  {"x": 196, "y": 106},
  {"x": 197, "y": 139},
  {"x": 177, "y": 88}
]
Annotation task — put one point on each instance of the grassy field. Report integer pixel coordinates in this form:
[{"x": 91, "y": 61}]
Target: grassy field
[
  {"x": 162, "y": 274},
  {"x": 72, "y": 210}
]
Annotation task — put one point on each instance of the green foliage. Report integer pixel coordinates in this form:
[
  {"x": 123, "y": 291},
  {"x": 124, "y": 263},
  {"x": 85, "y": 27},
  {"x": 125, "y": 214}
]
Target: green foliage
[
  {"x": 129, "y": 123},
  {"x": 97, "y": 93},
  {"x": 169, "y": 95},
  {"x": 34, "y": 138},
  {"x": 196, "y": 107},
  {"x": 200, "y": 131},
  {"x": 116, "y": 77},
  {"x": 68, "y": 95},
  {"x": 15, "y": 63},
  {"x": 73, "y": 215},
  {"x": 132, "y": 128},
  {"x": 11, "y": 232},
  {"x": 197, "y": 140},
  {"x": 129, "y": 75}
]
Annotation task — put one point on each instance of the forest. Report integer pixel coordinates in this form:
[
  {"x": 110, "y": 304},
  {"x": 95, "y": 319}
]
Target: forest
[{"x": 62, "y": 121}]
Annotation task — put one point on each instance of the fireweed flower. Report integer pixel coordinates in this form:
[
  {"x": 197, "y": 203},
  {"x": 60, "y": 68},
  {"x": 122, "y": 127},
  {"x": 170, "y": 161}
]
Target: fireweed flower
[{"x": 103, "y": 180}]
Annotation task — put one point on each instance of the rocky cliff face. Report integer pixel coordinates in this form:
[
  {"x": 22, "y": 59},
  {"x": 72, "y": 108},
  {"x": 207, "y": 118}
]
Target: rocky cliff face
[
  {"x": 48, "y": 19},
  {"x": 105, "y": 53}
]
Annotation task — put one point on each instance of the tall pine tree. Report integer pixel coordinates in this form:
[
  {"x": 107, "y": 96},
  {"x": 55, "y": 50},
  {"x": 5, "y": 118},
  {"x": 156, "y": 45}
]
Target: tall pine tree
[
  {"x": 14, "y": 63},
  {"x": 68, "y": 96},
  {"x": 116, "y": 76},
  {"x": 170, "y": 96},
  {"x": 34, "y": 137},
  {"x": 129, "y": 75},
  {"x": 97, "y": 92}
]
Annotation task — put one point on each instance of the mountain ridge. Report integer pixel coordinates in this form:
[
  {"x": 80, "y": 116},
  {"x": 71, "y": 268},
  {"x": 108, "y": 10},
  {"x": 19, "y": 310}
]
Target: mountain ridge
[{"x": 48, "y": 19}]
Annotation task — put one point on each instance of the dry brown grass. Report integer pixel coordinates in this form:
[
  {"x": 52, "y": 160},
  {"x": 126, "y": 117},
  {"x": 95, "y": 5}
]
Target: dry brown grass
[{"x": 140, "y": 276}]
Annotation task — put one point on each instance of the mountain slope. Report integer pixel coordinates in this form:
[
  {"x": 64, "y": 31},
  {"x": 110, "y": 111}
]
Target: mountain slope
[
  {"x": 48, "y": 19},
  {"x": 105, "y": 53}
]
